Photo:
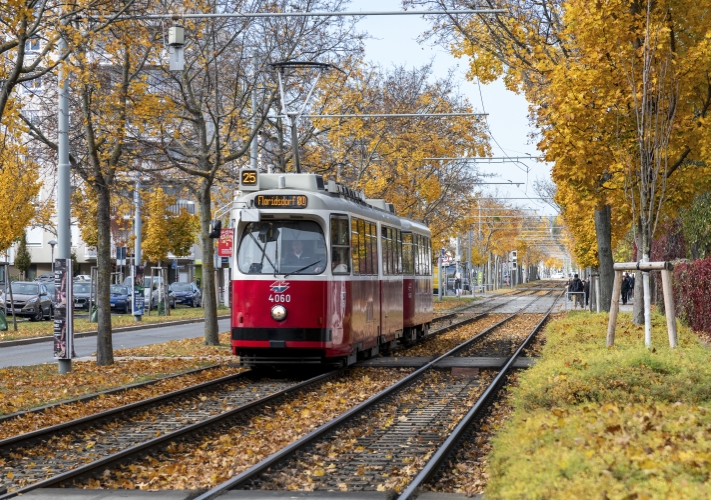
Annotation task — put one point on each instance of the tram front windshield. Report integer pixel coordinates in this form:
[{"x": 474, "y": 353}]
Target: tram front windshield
[{"x": 282, "y": 247}]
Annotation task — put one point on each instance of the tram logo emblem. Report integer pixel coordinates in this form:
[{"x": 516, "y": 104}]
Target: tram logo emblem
[{"x": 279, "y": 286}]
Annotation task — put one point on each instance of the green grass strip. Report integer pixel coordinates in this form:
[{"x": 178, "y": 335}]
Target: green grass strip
[{"x": 610, "y": 423}]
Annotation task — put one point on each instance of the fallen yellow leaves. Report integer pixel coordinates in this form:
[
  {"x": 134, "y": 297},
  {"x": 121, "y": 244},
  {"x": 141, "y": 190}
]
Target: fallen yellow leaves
[
  {"x": 27, "y": 387},
  {"x": 508, "y": 337},
  {"x": 385, "y": 448},
  {"x": 450, "y": 304},
  {"x": 467, "y": 471},
  {"x": 183, "y": 347},
  {"x": 215, "y": 458},
  {"x": 440, "y": 344}
]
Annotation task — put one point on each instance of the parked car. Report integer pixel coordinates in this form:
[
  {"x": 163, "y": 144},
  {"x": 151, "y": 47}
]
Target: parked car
[
  {"x": 45, "y": 277},
  {"x": 49, "y": 285},
  {"x": 29, "y": 298},
  {"x": 147, "y": 282},
  {"x": 83, "y": 291},
  {"x": 82, "y": 277},
  {"x": 186, "y": 293},
  {"x": 120, "y": 298}
]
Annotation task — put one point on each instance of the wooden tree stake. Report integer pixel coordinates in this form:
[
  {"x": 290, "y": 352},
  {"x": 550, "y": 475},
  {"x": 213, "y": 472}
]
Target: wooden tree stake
[
  {"x": 614, "y": 307},
  {"x": 669, "y": 307}
]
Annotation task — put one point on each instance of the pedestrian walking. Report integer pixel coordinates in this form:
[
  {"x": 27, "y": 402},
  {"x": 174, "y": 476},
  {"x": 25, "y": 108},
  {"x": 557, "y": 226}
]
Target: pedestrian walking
[
  {"x": 577, "y": 289},
  {"x": 457, "y": 286},
  {"x": 630, "y": 294},
  {"x": 586, "y": 289},
  {"x": 625, "y": 289}
]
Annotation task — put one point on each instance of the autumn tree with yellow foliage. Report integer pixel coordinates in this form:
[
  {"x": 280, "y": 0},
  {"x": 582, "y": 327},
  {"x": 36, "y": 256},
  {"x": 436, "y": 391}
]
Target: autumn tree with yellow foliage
[
  {"x": 109, "y": 98},
  {"x": 394, "y": 158},
  {"x": 581, "y": 66},
  {"x": 167, "y": 231}
]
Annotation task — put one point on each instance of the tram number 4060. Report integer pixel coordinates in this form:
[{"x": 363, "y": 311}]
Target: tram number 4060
[{"x": 280, "y": 298}]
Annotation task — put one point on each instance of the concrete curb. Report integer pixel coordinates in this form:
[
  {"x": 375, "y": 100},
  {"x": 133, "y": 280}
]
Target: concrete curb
[{"x": 149, "y": 326}]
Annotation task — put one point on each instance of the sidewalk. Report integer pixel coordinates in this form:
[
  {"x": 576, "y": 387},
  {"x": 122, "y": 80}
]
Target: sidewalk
[{"x": 627, "y": 307}]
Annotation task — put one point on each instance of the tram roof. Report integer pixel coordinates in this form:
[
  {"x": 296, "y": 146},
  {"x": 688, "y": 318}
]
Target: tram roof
[{"x": 330, "y": 197}]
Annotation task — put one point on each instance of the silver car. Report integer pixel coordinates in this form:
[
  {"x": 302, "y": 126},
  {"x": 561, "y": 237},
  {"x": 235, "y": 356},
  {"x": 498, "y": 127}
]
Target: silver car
[{"x": 29, "y": 298}]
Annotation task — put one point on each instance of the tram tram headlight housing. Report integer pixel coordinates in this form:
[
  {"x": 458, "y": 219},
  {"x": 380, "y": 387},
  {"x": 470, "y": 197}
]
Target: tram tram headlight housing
[{"x": 279, "y": 313}]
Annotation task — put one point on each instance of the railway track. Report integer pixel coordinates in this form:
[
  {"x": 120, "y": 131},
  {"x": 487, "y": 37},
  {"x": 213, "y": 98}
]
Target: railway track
[
  {"x": 56, "y": 451},
  {"x": 136, "y": 430},
  {"x": 379, "y": 444},
  {"x": 386, "y": 436}
]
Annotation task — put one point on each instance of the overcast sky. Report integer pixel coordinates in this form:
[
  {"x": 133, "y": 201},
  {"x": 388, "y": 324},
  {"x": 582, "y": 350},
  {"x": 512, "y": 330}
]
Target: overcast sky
[{"x": 395, "y": 42}]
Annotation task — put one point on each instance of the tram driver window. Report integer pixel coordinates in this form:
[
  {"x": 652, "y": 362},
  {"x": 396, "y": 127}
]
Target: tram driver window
[
  {"x": 340, "y": 245},
  {"x": 282, "y": 247}
]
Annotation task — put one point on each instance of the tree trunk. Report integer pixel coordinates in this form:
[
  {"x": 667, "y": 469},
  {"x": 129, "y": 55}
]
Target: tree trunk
[
  {"x": 209, "y": 296},
  {"x": 603, "y": 231},
  {"x": 104, "y": 344},
  {"x": 638, "y": 306}
]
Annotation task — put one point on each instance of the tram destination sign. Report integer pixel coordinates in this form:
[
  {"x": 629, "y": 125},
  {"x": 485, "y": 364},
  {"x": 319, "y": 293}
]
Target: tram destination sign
[{"x": 281, "y": 201}]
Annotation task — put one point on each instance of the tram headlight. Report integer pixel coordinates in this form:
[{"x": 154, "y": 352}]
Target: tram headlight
[{"x": 279, "y": 313}]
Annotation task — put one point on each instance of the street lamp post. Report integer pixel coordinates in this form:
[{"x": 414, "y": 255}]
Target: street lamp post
[{"x": 52, "y": 243}]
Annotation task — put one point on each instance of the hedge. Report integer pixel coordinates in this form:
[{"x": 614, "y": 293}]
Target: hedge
[{"x": 692, "y": 293}]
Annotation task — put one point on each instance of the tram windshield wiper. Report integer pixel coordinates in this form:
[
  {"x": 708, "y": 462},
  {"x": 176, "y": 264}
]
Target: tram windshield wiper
[
  {"x": 264, "y": 253},
  {"x": 303, "y": 268}
]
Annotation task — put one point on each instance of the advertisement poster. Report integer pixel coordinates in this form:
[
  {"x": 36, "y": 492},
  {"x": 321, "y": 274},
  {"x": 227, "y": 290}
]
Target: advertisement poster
[
  {"x": 224, "y": 244},
  {"x": 138, "y": 290},
  {"x": 63, "y": 317}
]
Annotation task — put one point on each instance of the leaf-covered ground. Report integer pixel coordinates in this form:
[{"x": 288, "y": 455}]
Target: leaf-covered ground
[
  {"x": 356, "y": 444},
  {"x": 617, "y": 423},
  {"x": 439, "y": 344},
  {"x": 217, "y": 457},
  {"x": 26, "y": 387},
  {"x": 452, "y": 303},
  {"x": 29, "y": 329},
  {"x": 466, "y": 473},
  {"x": 183, "y": 347}
]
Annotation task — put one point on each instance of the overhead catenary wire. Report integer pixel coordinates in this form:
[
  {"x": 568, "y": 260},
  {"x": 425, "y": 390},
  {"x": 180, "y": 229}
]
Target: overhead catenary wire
[{"x": 178, "y": 16}]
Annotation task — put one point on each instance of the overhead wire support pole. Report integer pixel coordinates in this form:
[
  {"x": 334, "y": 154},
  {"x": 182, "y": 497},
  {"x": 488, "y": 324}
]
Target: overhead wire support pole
[
  {"x": 395, "y": 115},
  {"x": 64, "y": 235},
  {"x": 484, "y": 159},
  {"x": 178, "y": 16}
]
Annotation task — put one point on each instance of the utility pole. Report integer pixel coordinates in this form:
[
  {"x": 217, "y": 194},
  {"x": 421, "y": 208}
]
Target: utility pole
[
  {"x": 64, "y": 235},
  {"x": 137, "y": 227},
  {"x": 253, "y": 149}
]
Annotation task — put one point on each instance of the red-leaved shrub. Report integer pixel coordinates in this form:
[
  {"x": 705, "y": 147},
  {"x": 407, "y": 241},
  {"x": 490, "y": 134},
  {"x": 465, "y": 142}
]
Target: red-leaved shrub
[{"x": 692, "y": 293}]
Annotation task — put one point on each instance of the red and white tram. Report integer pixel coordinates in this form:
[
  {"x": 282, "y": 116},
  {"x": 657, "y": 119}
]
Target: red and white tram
[{"x": 322, "y": 275}]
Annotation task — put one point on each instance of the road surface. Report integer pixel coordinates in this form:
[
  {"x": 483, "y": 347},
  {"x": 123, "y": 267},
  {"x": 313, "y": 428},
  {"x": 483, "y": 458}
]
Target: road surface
[{"x": 42, "y": 352}]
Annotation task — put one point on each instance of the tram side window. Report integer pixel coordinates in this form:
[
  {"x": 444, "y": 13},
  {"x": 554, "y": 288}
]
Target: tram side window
[
  {"x": 340, "y": 245},
  {"x": 384, "y": 240},
  {"x": 428, "y": 256},
  {"x": 423, "y": 260},
  {"x": 354, "y": 246},
  {"x": 368, "y": 249},
  {"x": 362, "y": 247},
  {"x": 398, "y": 249},
  {"x": 392, "y": 270},
  {"x": 416, "y": 253},
  {"x": 373, "y": 248},
  {"x": 407, "y": 264}
]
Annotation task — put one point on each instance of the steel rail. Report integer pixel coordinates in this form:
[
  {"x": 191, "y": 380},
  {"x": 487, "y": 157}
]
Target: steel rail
[
  {"x": 103, "y": 417},
  {"x": 436, "y": 461},
  {"x": 164, "y": 440},
  {"x": 281, "y": 455},
  {"x": 95, "y": 395}
]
